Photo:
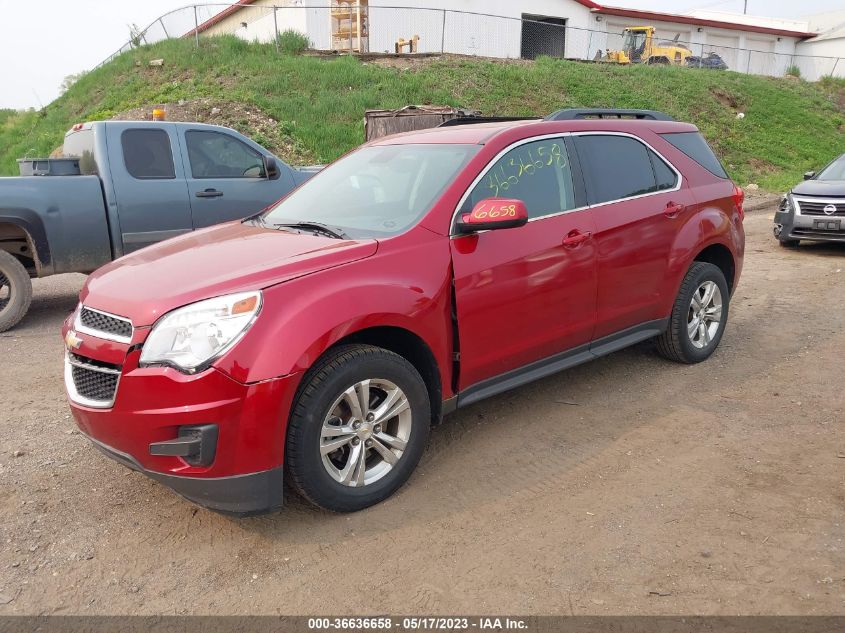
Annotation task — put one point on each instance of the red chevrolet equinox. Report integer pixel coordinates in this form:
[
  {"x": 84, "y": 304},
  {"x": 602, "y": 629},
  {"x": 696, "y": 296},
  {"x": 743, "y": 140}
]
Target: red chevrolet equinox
[{"x": 321, "y": 339}]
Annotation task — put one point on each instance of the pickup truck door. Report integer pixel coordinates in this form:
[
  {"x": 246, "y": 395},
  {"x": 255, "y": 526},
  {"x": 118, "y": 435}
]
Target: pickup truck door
[
  {"x": 226, "y": 179},
  {"x": 149, "y": 185},
  {"x": 524, "y": 296}
]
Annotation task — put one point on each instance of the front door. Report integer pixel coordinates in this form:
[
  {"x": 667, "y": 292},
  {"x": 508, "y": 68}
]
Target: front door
[
  {"x": 226, "y": 179},
  {"x": 528, "y": 293}
]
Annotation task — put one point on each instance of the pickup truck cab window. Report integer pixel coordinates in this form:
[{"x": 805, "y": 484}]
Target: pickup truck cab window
[
  {"x": 147, "y": 154},
  {"x": 218, "y": 155},
  {"x": 537, "y": 172},
  {"x": 377, "y": 191}
]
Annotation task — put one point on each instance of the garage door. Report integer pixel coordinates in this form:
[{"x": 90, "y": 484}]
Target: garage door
[
  {"x": 761, "y": 60},
  {"x": 724, "y": 46}
]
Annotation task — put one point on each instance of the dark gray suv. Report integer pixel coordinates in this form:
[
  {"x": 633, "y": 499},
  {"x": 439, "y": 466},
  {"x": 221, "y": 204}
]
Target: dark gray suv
[{"x": 815, "y": 209}]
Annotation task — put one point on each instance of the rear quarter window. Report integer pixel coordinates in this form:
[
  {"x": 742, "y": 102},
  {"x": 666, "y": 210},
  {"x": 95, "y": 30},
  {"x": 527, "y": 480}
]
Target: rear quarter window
[
  {"x": 693, "y": 145},
  {"x": 147, "y": 154}
]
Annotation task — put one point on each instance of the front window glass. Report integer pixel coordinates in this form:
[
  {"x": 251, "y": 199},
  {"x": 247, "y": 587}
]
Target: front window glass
[
  {"x": 218, "y": 155},
  {"x": 377, "y": 191},
  {"x": 537, "y": 173},
  {"x": 834, "y": 171}
]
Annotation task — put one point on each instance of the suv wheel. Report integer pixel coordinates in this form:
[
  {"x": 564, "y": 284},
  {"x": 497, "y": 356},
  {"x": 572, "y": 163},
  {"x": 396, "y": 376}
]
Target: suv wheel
[
  {"x": 358, "y": 428},
  {"x": 789, "y": 243},
  {"x": 698, "y": 317},
  {"x": 15, "y": 291}
]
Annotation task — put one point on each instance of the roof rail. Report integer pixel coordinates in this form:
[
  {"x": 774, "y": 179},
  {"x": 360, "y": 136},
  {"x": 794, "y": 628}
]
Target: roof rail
[
  {"x": 607, "y": 113},
  {"x": 466, "y": 120}
]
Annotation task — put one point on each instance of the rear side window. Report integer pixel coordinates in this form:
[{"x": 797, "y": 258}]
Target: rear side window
[
  {"x": 147, "y": 154},
  {"x": 693, "y": 145},
  {"x": 80, "y": 144},
  {"x": 616, "y": 167},
  {"x": 217, "y": 155},
  {"x": 538, "y": 173},
  {"x": 665, "y": 176}
]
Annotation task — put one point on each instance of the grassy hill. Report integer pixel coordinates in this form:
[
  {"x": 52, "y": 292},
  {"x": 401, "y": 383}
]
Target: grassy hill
[{"x": 315, "y": 105}]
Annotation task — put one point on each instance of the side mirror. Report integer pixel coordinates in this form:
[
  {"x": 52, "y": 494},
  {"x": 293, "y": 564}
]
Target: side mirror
[
  {"x": 492, "y": 214},
  {"x": 271, "y": 168},
  {"x": 809, "y": 175}
]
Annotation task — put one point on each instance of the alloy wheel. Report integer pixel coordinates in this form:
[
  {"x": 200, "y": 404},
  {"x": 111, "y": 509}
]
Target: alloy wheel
[
  {"x": 705, "y": 314},
  {"x": 365, "y": 432}
]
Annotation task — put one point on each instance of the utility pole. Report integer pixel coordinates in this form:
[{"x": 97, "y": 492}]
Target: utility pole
[{"x": 745, "y": 8}]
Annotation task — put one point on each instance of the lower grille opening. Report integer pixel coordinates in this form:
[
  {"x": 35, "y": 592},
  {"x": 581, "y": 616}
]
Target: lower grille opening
[{"x": 92, "y": 382}]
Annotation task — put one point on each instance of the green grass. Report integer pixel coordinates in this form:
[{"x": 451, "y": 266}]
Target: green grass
[{"x": 790, "y": 126}]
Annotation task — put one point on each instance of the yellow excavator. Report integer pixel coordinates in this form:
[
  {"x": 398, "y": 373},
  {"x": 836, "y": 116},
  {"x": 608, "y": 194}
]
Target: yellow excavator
[{"x": 639, "y": 47}]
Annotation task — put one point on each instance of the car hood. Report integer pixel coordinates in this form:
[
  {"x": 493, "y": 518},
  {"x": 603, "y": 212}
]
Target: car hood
[
  {"x": 820, "y": 188},
  {"x": 212, "y": 262}
]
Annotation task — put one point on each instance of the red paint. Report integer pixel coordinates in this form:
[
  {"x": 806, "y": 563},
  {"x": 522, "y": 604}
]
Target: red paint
[{"x": 523, "y": 294}]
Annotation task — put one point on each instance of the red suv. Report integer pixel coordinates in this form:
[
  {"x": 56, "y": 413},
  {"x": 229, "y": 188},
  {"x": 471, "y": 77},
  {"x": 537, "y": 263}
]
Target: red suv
[{"x": 420, "y": 273}]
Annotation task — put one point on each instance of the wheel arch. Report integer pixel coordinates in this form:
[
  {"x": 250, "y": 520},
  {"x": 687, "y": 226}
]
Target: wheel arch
[
  {"x": 27, "y": 224},
  {"x": 408, "y": 345},
  {"x": 12, "y": 234},
  {"x": 720, "y": 256}
]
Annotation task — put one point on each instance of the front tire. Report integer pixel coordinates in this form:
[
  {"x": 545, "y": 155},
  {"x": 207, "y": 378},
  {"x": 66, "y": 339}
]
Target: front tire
[
  {"x": 358, "y": 428},
  {"x": 789, "y": 243},
  {"x": 15, "y": 291},
  {"x": 698, "y": 317}
]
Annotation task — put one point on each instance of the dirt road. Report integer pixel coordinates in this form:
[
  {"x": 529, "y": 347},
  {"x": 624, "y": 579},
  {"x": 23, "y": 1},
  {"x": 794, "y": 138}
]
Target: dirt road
[{"x": 627, "y": 485}]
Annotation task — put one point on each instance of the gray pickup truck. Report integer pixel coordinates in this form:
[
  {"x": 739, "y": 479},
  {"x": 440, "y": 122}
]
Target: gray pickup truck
[{"x": 130, "y": 184}]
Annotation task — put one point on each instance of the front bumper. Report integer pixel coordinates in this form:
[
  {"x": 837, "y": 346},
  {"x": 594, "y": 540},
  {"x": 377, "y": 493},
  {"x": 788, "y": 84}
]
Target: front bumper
[
  {"x": 240, "y": 495},
  {"x": 152, "y": 406},
  {"x": 792, "y": 226}
]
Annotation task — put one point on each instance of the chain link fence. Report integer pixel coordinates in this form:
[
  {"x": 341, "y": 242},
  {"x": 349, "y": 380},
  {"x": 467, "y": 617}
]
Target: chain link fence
[{"x": 466, "y": 33}]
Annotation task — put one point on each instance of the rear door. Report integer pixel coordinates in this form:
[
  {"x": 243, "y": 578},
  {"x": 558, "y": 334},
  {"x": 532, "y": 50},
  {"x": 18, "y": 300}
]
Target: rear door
[
  {"x": 525, "y": 294},
  {"x": 226, "y": 179},
  {"x": 638, "y": 201},
  {"x": 150, "y": 192}
]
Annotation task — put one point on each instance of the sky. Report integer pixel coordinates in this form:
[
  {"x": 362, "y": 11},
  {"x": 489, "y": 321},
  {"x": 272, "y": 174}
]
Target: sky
[{"x": 43, "y": 41}]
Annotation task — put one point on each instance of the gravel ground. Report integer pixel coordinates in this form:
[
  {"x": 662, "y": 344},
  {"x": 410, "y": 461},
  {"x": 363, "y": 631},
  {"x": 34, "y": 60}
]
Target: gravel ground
[{"x": 629, "y": 485}]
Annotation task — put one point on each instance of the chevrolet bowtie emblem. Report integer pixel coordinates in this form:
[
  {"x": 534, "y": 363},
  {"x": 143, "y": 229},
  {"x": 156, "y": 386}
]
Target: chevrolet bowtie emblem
[{"x": 72, "y": 340}]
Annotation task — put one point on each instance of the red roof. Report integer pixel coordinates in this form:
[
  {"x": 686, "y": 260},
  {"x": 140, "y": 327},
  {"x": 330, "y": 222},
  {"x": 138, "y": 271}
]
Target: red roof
[{"x": 634, "y": 14}]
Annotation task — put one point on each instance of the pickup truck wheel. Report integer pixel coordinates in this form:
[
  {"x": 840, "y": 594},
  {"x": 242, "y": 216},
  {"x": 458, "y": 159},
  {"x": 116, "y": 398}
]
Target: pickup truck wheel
[
  {"x": 698, "y": 317},
  {"x": 15, "y": 291},
  {"x": 358, "y": 428}
]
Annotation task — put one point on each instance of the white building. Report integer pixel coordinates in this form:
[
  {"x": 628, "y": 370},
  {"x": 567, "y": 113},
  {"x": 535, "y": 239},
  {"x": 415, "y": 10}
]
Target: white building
[
  {"x": 825, "y": 53},
  {"x": 528, "y": 28}
]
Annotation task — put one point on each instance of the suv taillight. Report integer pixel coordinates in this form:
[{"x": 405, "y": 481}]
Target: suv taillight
[{"x": 739, "y": 198}]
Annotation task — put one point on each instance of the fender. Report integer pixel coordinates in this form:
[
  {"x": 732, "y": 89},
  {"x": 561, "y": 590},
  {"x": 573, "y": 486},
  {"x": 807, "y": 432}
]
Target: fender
[
  {"x": 33, "y": 225},
  {"x": 708, "y": 226},
  {"x": 408, "y": 288}
]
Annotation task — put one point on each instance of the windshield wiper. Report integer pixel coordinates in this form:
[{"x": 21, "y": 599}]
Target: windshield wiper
[{"x": 314, "y": 227}]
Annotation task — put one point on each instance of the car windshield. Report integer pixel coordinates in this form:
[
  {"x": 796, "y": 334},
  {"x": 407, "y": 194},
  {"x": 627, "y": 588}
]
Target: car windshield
[
  {"x": 834, "y": 171},
  {"x": 377, "y": 191}
]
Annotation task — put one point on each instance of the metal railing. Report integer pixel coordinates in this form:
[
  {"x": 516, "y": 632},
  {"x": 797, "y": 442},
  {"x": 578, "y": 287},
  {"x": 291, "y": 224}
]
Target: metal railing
[{"x": 460, "y": 32}]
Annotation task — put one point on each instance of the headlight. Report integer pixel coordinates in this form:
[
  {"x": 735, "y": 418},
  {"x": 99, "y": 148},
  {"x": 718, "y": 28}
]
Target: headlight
[
  {"x": 786, "y": 205},
  {"x": 191, "y": 337}
]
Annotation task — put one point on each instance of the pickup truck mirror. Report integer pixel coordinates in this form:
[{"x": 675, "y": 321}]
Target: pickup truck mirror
[
  {"x": 808, "y": 175},
  {"x": 492, "y": 214},
  {"x": 271, "y": 168}
]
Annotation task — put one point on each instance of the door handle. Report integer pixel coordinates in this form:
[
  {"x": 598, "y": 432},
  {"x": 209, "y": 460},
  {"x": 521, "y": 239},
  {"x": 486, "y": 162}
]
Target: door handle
[
  {"x": 673, "y": 209},
  {"x": 209, "y": 193},
  {"x": 575, "y": 238}
]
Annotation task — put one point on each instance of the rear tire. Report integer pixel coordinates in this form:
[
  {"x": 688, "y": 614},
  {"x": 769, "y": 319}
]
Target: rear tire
[
  {"x": 351, "y": 439},
  {"x": 698, "y": 317},
  {"x": 15, "y": 291}
]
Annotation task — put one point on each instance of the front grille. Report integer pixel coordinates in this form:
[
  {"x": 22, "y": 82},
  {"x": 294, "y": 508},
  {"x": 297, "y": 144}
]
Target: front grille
[
  {"x": 114, "y": 327},
  {"x": 817, "y": 206},
  {"x": 818, "y": 233},
  {"x": 91, "y": 382}
]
